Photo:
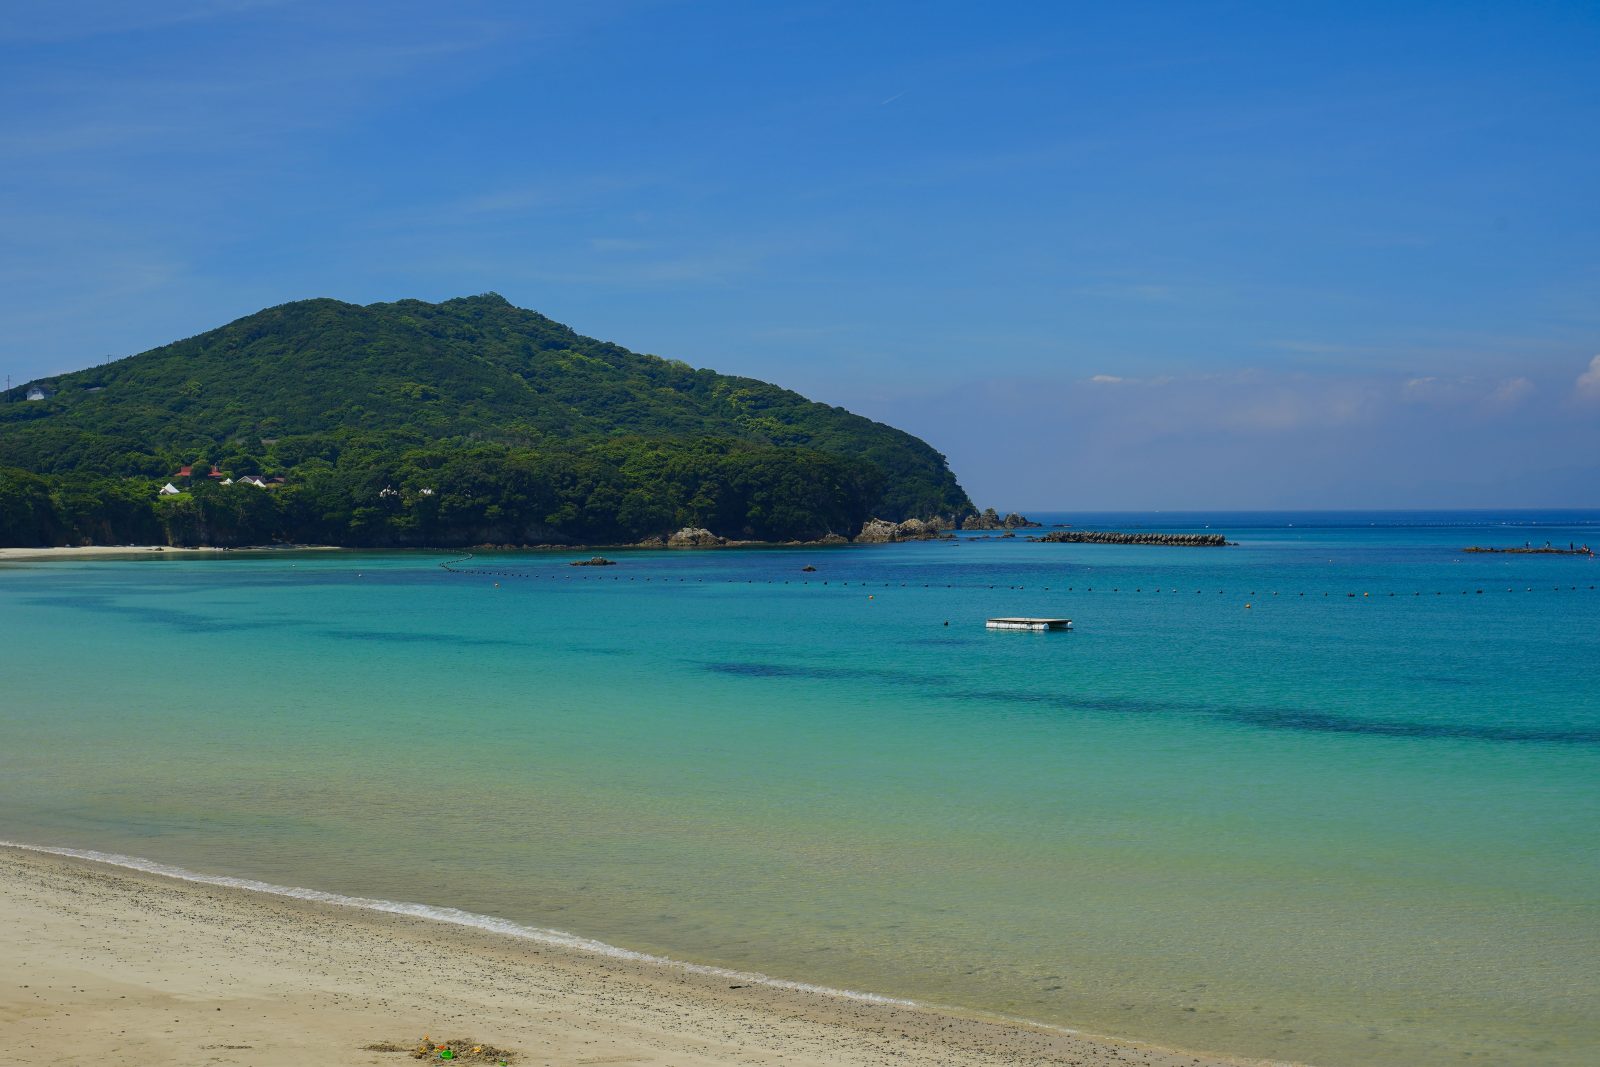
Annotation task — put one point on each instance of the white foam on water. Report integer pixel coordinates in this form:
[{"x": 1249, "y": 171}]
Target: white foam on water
[{"x": 456, "y": 917}]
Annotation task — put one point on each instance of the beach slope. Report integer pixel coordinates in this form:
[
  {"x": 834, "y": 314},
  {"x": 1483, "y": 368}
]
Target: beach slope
[{"x": 107, "y": 965}]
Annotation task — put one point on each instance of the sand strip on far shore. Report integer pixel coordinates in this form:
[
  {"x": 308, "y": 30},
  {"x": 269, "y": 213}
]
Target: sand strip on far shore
[
  {"x": 106, "y": 965},
  {"x": 37, "y": 555}
]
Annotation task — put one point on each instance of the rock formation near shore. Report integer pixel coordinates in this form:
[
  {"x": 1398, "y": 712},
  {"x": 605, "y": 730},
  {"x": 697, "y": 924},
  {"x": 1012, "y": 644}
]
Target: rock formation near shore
[
  {"x": 694, "y": 537},
  {"x": 880, "y": 531},
  {"x": 989, "y": 519}
]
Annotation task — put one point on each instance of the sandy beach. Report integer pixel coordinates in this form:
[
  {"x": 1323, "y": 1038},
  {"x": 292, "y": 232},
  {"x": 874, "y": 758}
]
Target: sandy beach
[
  {"x": 22, "y": 555},
  {"x": 108, "y": 965},
  {"x": 26, "y": 555}
]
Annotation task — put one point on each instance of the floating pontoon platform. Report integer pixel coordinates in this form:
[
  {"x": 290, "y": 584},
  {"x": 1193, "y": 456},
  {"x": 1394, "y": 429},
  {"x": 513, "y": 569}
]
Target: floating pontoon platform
[{"x": 1024, "y": 623}]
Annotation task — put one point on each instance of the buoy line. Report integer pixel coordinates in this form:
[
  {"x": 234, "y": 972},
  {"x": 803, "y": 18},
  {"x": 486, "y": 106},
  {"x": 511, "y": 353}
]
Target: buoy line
[{"x": 450, "y": 566}]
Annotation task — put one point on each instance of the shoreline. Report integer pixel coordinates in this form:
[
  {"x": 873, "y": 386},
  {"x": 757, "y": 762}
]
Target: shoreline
[
  {"x": 79, "y": 552},
  {"x": 126, "y": 963},
  {"x": 41, "y": 555},
  {"x": 71, "y": 552}
]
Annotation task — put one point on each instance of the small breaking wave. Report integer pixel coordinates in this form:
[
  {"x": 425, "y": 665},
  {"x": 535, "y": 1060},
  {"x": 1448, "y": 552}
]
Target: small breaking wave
[{"x": 454, "y": 916}]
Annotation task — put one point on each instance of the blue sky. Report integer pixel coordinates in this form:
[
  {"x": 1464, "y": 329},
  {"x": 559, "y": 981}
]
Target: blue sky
[{"x": 1163, "y": 255}]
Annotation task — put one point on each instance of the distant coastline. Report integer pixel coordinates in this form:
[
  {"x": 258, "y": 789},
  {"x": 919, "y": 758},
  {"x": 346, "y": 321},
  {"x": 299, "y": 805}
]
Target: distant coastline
[{"x": 39, "y": 555}]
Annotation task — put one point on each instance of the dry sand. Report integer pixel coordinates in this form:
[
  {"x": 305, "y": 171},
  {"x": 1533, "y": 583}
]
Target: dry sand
[{"x": 108, "y": 966}]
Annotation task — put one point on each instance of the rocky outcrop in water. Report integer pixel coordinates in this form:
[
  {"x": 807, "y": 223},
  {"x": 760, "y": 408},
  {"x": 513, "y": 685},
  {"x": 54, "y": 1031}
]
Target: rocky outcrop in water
[
  {"x": 694, "y": 537},
  {"x": 876, "y": 531},
  {"x": 593, "y": 561},
  {"x": 881, "y": 531},
  {"x": 989, "y": 519},
  {"x": 1112, "y": 537},
  {"x": 825, "y": 539},
  {"x": 918, "y": 530}
]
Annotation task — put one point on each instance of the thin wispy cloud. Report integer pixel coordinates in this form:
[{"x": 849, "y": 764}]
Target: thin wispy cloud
[
  {"x": 567, "y": 191},
  {"x": 685, "y": 270},
  {"x": 244, "y": 98},
  {"x": 77, "y": 20},
  {"x": 619, "y": 244},
  {"x": 1149, "y": 292}
]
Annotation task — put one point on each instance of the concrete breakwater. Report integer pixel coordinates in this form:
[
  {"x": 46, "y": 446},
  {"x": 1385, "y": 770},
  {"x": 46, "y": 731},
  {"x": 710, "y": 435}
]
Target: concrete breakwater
[{"x": 1112, "y": 537}]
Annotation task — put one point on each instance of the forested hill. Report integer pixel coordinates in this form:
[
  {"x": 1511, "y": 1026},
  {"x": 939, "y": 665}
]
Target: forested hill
[{"x": 442, "y": 423}]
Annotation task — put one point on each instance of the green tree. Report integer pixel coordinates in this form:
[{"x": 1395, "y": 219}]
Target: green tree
[{"x": 27, "y": 514}]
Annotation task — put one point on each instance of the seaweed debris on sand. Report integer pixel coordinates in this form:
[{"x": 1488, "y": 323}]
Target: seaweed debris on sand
[{"x": 464, "y": 1049}]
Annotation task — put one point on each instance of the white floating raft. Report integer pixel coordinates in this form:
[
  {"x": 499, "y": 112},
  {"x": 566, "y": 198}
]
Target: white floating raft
[{"x": 1026, "y": 623}]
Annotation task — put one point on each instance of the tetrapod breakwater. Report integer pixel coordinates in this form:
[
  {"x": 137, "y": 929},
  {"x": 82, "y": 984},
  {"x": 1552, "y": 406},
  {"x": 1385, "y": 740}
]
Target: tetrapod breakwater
[{"x": 1113, "y": 537}]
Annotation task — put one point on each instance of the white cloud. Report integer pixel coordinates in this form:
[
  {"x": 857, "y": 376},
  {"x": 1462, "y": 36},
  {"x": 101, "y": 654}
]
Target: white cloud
[
  {"x": 1589, "y": 381},
  {"x": 1107, "y": 379},
  {"x": 1466, "y": 391},
  {"x": 1510, "y": 392}
]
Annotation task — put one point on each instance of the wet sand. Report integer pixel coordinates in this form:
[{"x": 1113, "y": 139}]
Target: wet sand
[{"x": 107, "y": 965}]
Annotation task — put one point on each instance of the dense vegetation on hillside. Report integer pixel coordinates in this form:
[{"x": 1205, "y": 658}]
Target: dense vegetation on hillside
[{"x": 452, "y": 423}]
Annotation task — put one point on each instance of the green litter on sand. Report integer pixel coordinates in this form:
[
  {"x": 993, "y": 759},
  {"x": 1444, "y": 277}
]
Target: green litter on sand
[{"x": 457, "y": 1050}]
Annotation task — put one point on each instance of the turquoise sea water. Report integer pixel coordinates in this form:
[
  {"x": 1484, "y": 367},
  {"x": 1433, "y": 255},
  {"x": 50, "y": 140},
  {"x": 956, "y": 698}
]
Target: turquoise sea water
[{"x": 1340, "y": 829}]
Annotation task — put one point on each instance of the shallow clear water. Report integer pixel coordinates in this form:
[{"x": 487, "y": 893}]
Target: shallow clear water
[{"x": 1342, "y": 829}]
